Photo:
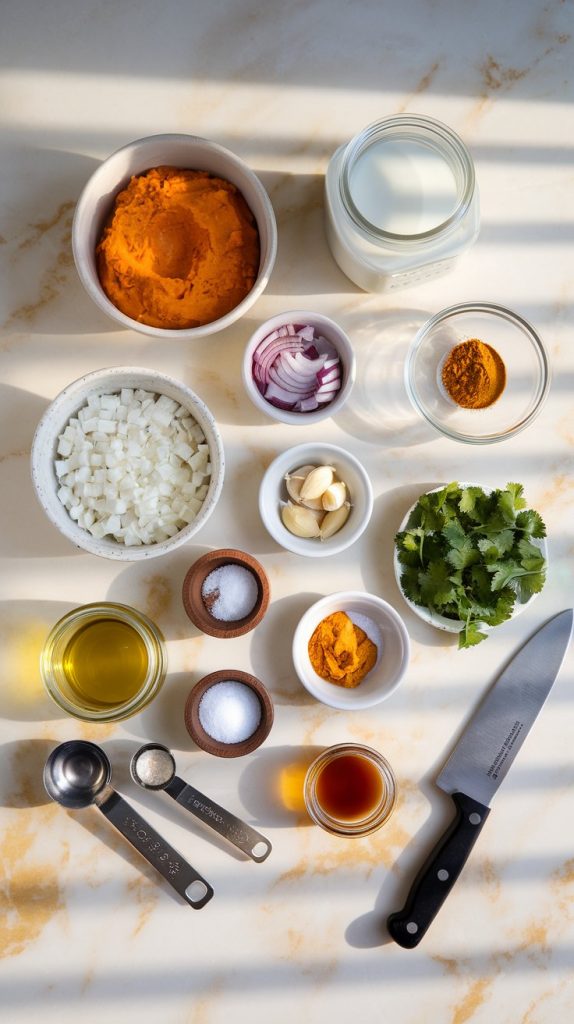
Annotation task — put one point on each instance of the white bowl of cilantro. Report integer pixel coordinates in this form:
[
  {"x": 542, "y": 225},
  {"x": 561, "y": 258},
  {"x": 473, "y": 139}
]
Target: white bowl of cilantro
[{"x": 468, "y": 558}]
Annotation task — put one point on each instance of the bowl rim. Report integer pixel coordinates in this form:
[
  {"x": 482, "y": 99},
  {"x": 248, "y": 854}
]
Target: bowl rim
[
  {"x": 44, "y": 433},
  {"x": 198, "y": 734},
  {"x": 488, "y": 308},
  {"x": 301, "y": 636},
  {"x": 267, "y": 214},
  {"x": 210, "y": 561},
  {"x": 340, "y": 340},
  {"x": 433, "y": 618},
  {"x": 311, "y": 547}
]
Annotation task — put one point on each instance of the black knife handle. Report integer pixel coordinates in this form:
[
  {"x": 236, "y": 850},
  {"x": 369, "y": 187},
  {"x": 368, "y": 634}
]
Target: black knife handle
[{"x": 439, "y": 873}]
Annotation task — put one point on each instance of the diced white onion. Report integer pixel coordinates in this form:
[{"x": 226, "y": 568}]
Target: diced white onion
[{"x": 134, "y": 466}]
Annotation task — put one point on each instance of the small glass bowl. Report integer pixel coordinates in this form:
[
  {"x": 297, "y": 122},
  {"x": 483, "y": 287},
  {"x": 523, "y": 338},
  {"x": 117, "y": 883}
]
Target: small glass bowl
[
  {"x": 376, "y": 817},
  {"x": 519, "y": 347},
  {"x": 52, "y": 662}
]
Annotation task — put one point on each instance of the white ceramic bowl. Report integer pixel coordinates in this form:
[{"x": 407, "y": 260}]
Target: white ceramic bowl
[
  {"x": 53, "y": 422},
  {"x": 441, "y": 621},
  {"x": 273, "y": 494},
  {"x": 393, "y": 659},
  {"x": 187, "y": 151},
  {"x": 330, "y": 330}
]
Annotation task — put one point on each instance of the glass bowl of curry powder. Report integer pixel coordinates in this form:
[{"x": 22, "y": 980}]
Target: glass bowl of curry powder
[{"x": 477, "y": 372}]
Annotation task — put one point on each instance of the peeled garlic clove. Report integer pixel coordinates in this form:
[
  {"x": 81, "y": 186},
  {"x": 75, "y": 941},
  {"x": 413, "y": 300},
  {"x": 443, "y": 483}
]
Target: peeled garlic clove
[
  {"x": 334, "y": 497},
  {"x": 316, "y": 483},
  {"x": 302, "y": 522},
  {"x": 333, "y": 521},
  {"x": 294, "y": 481}
]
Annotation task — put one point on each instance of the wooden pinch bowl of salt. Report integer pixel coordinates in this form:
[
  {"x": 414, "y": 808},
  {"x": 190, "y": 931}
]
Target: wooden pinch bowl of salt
[
  {"x": 226, "y": 593},
  {"x": 236, "y": 704}
]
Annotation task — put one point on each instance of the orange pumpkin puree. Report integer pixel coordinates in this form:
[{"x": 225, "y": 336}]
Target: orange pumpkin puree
[{"x": 180, "y": 249}]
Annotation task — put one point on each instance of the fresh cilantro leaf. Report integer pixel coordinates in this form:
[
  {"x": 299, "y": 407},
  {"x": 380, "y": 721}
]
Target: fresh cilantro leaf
[
  {"x": 529, "y": 584},
  {"x": 509, "y": 573},
  {"x": 496, "y": 544},
  {"x": 454, "y": 534},
  {"x": 412, "y": 538},
  {"x": 531, "y": 523},
  {"x": 442, "y": 497},
  {"x": 517, "y": 492},
  {"x": 505, "y": 506},
  {"x": 503, "y": 608},
  {"x": 473, "y": 503},
  {"x": 480, "y": 580},
  {"x": 531, "y": 556},
  {"x": 470, "y": 636},
  {"x": 410, "y": 584},
  {"x": 436, "y": 586},
  {"x": 463, "y": 555}
]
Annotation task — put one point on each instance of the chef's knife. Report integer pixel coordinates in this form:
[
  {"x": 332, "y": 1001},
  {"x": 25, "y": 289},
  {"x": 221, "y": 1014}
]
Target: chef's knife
[{"x": 477, "y": 766}]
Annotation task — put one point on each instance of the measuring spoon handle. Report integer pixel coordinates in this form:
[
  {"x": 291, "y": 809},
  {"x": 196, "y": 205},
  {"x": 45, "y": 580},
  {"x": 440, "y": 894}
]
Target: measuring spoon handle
[
  {"x": 234, "y": 829},
  {"x": 180, "y": 875}
]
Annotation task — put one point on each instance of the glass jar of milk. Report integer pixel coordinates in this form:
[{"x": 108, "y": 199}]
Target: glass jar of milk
[{"x": 401, "y": 203}]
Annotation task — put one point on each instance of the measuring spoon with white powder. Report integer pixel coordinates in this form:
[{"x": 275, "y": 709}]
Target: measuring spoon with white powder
[
  {"x": 78, "y": 773},
  {"x": 153, "y": 767}
]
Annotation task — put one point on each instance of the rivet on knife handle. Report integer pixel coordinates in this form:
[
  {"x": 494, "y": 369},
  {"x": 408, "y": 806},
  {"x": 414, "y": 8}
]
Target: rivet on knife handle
[{"x": 439, "y": 873}]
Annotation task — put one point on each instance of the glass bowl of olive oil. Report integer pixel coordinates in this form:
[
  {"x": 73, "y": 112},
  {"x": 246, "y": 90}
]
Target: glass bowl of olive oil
[{"x": 103, "y": 662}]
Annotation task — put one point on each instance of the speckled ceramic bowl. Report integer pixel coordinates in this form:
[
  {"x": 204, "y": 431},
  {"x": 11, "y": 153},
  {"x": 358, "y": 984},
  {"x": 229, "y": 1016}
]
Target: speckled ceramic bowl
[{"x": 58, "y": 414}]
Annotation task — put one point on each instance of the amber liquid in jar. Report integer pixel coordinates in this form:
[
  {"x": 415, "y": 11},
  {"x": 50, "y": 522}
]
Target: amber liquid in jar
[
  {"x": 105, "y": 663},
  {"x": 349, "y": 788}
]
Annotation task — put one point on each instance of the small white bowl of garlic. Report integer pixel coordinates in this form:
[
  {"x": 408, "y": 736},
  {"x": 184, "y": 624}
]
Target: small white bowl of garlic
[
  {"x": 315, "y": 499},
  {"x": 127, "y": 463}
]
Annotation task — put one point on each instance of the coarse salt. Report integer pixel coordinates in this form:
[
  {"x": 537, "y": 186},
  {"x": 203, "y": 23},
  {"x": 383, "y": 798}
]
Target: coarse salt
[
  {"x": 229, "y": 711},
  {"x": 230, "y": 592}
]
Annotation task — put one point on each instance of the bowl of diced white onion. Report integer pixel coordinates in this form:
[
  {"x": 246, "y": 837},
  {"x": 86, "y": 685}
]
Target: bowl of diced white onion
[{"x": 127, "y": 463}]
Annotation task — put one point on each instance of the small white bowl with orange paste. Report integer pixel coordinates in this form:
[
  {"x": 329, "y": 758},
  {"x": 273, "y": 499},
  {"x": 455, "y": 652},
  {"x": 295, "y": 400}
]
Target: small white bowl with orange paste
[{"x": 174, "y": 236}]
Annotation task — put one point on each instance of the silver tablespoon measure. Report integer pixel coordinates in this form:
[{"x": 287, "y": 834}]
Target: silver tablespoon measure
[
  {"x": 153, "y": 767},
  {"x": 78, "y": 773}
]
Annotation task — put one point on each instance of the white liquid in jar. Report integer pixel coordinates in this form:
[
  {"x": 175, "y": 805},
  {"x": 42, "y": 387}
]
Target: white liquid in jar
[{"x": 402, "y": 186}]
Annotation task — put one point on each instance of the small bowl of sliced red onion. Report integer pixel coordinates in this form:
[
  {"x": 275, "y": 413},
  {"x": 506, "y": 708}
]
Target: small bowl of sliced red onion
[{"x": 299, "y": 367}]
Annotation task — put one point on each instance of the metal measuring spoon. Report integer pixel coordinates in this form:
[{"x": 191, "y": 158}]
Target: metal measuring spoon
[
  {"x": 153, "y": 767},
  {"x": 78, "y": 773}
]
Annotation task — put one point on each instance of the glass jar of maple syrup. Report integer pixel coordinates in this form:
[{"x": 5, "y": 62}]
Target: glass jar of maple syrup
[{"x": 350, "y": 790}]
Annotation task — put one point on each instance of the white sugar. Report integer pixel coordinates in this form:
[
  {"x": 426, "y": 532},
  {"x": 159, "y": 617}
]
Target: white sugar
[{"x": 229, "y": 712}]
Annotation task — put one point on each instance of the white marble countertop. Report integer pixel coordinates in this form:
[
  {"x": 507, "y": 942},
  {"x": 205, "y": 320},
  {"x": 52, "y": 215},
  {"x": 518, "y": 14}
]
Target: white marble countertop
[{"x": 301, "y": 937}]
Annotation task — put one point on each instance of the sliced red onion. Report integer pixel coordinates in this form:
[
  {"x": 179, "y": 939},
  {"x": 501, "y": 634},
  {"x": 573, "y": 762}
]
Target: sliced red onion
[{"x": 293, "y": 368}]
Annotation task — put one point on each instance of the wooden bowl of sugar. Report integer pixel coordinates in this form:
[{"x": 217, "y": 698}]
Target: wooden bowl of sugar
[
  {"x": 226, "y": 593},
  {"x": 229, "y": 713}
]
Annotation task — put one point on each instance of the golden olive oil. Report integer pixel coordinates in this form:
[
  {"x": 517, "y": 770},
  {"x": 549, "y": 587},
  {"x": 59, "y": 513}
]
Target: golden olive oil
[{"x": 105, "y": 663}]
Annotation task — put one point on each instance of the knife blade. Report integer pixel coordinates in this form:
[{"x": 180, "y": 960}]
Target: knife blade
[{"x": 477, "y": 767}]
